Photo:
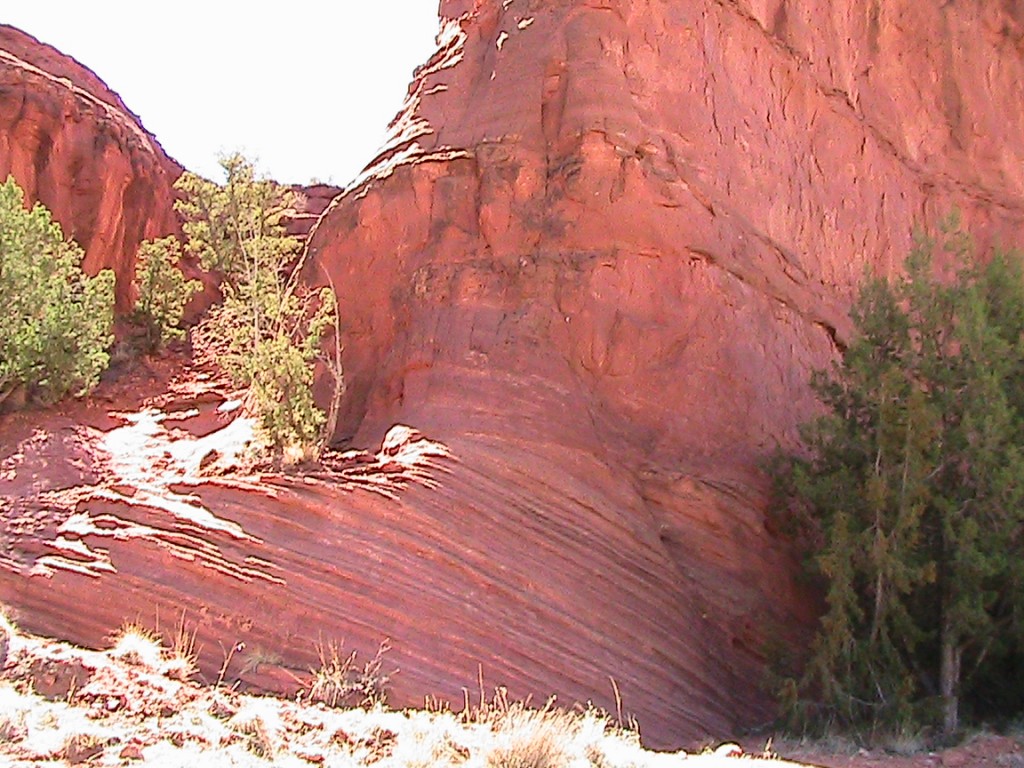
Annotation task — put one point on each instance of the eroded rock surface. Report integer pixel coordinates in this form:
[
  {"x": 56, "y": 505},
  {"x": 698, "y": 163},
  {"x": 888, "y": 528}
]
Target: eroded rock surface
[
  {"x": 312, "y": 200},
  {"x": 591, "y": 272},
  {"x": 72, "y": 145},
  {"x": 607, "y": 244}
]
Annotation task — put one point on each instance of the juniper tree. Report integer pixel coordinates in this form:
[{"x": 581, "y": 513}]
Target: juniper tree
[
  {"x": 162, "y": 291},
  {"x": 268, "y": 329},
  {"x": 910, "y": 489}
]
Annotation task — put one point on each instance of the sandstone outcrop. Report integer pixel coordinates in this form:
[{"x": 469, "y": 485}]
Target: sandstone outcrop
[
  {"x": 72, "y": 145},
  {"x": 312, "y": 201},
  {"x": 591, "y": 271},
  {"x": 605, "y": 247}
]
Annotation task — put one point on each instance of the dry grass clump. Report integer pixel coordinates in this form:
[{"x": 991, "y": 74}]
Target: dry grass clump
[
  {"x": 80, "y": 747},
  {"x": 340, "y": 681},
  {"x": 259, "y": 726},
  {"x": 138, "y": 646},
  {"x": 434, "y": 752},
  {"x": 7, "y": 631},
  {"x": 905, "y": 741},
  {"x": 533, "y": 738},
  {"x": 511, "y": 734},
  {"x": 13, "y": 717},
  {"x": 180, "y": 660}
]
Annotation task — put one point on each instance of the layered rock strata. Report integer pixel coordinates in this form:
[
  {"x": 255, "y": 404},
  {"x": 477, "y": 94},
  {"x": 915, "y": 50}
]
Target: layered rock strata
[
  {"x": 606, "y": 245},
  {"x": 602, "y": 253}
]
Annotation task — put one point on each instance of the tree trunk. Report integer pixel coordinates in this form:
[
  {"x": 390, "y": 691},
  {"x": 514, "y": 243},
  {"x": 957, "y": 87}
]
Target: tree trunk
[{"x": 949, "y": 681}]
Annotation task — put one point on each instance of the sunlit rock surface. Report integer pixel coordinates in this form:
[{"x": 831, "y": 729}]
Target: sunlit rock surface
[
  {"x": 606, "y": 245},
  {"x": 590, "y": 273},
  {"x": 72, "y": 145}
]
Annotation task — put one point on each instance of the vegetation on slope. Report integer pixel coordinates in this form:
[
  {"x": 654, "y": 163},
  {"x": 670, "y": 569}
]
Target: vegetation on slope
[
  {"x": 267, "y": 331},
  {"x": 134, "y": 705},
  {"x": 162, "y": 292}
]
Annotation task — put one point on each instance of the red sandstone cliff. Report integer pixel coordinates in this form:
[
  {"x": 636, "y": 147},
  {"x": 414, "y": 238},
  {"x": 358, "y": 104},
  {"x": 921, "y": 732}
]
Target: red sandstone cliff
[
  {"x": 604, "y": 248},
  {"x": 71, "y": 143}
]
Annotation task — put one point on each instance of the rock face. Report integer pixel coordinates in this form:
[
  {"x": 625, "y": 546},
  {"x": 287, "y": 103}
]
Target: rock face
[
  {"x": 71, "y": 144},
  {"x": 605, "y": 246},
  {"x": 312, "y": 200}
]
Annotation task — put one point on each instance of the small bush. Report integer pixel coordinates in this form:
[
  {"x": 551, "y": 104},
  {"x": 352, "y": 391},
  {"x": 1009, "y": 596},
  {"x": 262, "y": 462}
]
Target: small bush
[
  {"x": 340, "y": 681},
  {"x": 55, "y": 327},
  {"x": 267, "y": 332},
  {"x": 162, "y": 291}
]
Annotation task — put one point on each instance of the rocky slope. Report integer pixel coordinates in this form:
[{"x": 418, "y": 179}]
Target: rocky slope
[
  {"x": 604, "y": 248},
  {"x": 71, "y": 144}
]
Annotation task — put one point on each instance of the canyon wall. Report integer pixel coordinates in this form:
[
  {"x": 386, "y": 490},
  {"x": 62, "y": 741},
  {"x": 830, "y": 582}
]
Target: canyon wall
[
  {"x": 602, "y": 250},
  {"x": 72, "y": 145},
  {"x": 606, "y": 245}
]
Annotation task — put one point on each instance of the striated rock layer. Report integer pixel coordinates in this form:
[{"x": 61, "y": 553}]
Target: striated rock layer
[
  {"x": 72, "y": 145},
  {"x": 311, "y": 201},
  {"x": 594, "y": 266},
  {"x": 605, "y": 247}
]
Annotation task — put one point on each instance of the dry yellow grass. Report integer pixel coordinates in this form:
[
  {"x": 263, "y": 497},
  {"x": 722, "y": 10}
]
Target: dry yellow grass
[
  {"x": 136, "y": 645},
  {"x": 127, "y": 710}
]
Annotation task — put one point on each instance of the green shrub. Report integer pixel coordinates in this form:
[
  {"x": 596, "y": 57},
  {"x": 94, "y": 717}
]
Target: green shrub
[
  {"x": 162, "y": 291},
  {"x": 56, "y": 322},
  {"x": 280, "y": 370},
  {"x": 268, "y": 330}
]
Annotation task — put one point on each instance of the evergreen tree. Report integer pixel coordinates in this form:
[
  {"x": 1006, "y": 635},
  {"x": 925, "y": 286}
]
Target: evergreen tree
[
  {"x": 911, "y": 493},
  {"x": 268, "y": 329},
  {"x": 162, "y": 291}
]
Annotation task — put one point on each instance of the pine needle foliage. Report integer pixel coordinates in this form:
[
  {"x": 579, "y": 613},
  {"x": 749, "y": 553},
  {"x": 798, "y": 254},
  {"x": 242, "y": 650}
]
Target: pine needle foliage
[
  {"x": 910, "y": 497},
  {"x": 55, "y": 327}
]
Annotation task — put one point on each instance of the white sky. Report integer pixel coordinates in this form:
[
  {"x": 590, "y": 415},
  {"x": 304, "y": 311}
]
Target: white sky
[{"x": 304, "y": 89}]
